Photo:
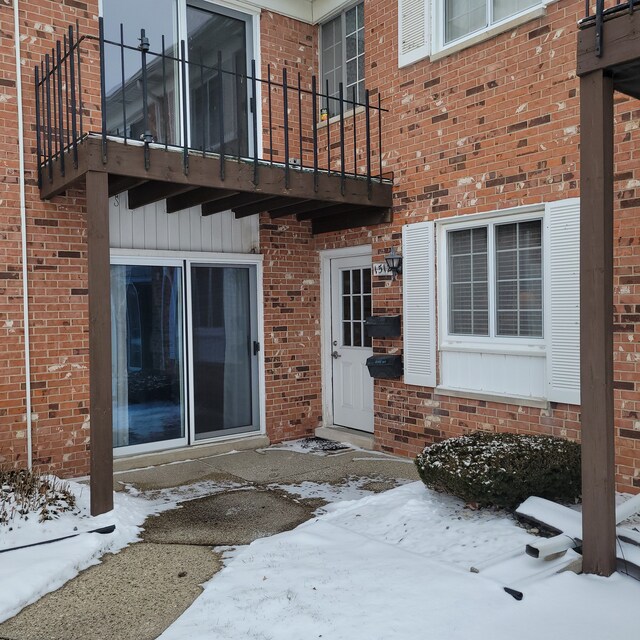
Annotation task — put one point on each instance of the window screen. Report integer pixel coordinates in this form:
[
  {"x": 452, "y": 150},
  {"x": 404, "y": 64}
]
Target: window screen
[
  {"x": 519, "y": 279},
  {"x": 468, "y": 282}
]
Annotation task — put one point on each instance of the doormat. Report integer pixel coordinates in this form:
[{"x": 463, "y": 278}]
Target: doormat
[{"x": 321, "y": 445}]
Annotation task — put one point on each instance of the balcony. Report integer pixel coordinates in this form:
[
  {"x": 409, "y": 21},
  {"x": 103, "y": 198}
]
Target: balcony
[
  {"x": 198, "y": 129},
  {"x": 608, "y": 40}
]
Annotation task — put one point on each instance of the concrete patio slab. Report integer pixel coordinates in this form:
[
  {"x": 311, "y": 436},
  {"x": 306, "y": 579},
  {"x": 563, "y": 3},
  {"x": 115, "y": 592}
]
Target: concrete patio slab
[
  {"x": 232, "y": 518},
  {"x": 133, "y": 595}
]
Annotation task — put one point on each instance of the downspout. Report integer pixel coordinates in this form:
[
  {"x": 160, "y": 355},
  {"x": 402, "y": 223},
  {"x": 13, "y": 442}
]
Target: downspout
[{"x": 23, "y": 237}]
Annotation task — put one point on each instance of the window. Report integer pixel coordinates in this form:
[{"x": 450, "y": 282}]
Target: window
[
  {"x": 460, "y": 18},
  {"x": 507, "y": 306},
  {"x": 438, "y": 27},
  {"x": 343, "y": 56},
  {"x": 507, "y": 303}
]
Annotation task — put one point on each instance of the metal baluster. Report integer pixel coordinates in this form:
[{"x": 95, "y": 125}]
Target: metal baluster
[
  {"x": 165, "y": 108},
  {"x": 314, "y": 98},
  {"x": 221, "y": 116},
  {"x": 342, "y": 169},
  {"x": 254, "y": 93},
  {"x": 355, "y": 137},
  {"x": 103, "y": 93},
  {"x": 65, "y": 59},
  {"x": 367, "y": 107},
  {"x": 285, "y": 96},
  {"x": 203, "y": 109},
  {"x": 60, "y": 113},
  {"x": 54, "y": 96},
  {"x": 38, "y": 140},
  {"x": 270, "y": 115},
  {"x": 123, "y": 81},
  {"x": 146, "y": 136},
  {"x": 185, "y": 121},
  {"x": 74, "y": 107},
  {"x": 79, "y": 78},
  {"x": 300, "y": 116},
  {"x": 328, "y": 134},
  {"x": 48, "y": 109},
  {"x": 380, "y": 134}
]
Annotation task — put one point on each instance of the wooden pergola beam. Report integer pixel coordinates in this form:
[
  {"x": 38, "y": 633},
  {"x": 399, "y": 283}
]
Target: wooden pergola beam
[
  {"x": 596, "y": 323},
  {"x": 100, "y": 394}
]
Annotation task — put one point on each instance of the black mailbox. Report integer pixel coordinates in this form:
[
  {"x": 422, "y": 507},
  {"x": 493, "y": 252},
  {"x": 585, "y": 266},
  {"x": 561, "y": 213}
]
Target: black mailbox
[
  {"x": 384, "y": 367},
  {"x": 382, "y": 326}
]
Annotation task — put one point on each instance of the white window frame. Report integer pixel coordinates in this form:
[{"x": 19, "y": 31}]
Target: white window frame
[
  {"x": 347, "y": 92},
  {"x": 514, "y": 345},
  {"x": 440, "y": 48}
]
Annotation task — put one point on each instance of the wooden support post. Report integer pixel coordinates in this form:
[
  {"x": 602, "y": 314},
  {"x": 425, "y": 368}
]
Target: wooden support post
[
  {"x": 596, "y": 323},
  {"x": 101, "y": 482}
]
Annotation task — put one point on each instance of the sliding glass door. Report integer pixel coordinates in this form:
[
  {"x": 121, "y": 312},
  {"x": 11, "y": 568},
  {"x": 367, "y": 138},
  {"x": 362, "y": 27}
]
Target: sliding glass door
[
  {"x": 184, "y": 358},
  {"x": 147, "y": 341},
  {"x": 224, "y": 349}
]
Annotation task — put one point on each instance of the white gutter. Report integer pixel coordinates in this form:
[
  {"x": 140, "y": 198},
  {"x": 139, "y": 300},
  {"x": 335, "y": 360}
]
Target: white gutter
[{"x": 23, "y": 237}]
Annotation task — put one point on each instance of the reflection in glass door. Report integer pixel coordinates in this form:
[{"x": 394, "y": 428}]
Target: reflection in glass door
[
  {"x": 223, "y": 350},
  {"x": 147, "y": 355}
]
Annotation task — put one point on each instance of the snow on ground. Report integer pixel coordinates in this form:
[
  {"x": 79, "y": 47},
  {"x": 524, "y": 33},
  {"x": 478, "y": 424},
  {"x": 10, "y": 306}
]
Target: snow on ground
[
  {"x": 353, "y": 488},
  {"x": 27, "y": 574},
  {"x": 396, "y": 566}
]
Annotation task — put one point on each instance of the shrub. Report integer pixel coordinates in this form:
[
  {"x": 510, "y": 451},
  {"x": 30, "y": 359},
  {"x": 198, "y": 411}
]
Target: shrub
[
  {"x": 23, "y": 493},
  {"x": 502, "y": 469}
]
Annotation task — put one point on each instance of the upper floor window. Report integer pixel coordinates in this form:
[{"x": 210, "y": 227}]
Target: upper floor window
[
  {"x": 342, "y": 61},
  {"x": 464, "y": 17},
  {"x": 437, "y": 27}
]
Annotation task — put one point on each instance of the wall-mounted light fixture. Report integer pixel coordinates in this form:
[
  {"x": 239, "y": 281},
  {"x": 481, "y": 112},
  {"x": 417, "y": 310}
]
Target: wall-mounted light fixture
[{"x": 394, "y": 262}]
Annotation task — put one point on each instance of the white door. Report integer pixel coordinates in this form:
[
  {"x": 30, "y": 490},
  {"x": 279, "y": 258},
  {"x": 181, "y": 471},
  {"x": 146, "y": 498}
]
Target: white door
[{"x": 350, "y": 305}]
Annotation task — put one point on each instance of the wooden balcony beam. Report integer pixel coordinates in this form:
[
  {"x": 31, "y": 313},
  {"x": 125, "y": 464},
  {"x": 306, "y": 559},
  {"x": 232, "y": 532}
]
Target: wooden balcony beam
[
  {"x": 154, "y": 191},
  {"x": 225, "y": 204},
  {"x": 196, "y": 197},
  {"x": 295, "y": 209},
  {"x": 357, "y": 218},
  {"x": 163, "y": 166}
]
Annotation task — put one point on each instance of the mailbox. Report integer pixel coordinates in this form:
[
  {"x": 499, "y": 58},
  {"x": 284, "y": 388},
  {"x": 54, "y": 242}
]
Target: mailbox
[
  {"x": 385, "y": 367},
  {"x": 382, "y": 326}
]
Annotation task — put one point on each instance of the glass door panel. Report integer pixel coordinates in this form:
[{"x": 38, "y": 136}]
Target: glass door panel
[
  {"x": 214, "y": 40},
  {"x": 147, "y": 354},
  {"x": 125, "y": 115},
  {"x": 223, "y": 331}
]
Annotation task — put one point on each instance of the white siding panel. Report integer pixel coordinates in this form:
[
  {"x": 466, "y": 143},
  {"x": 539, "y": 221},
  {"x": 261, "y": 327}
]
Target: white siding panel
[
  {"x": 151, "y": 227},
  {"x": 494, "y": 373},
  {"x": 562, "y": 277}
]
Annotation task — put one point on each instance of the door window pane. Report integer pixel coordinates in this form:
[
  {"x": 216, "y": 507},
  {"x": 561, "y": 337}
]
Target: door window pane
[
  {"x": 124, "y": 100},
  {"x": 356, "y": 306},
  {"x": 222, "y": 338},
  {"x": 147, "y": 354}
]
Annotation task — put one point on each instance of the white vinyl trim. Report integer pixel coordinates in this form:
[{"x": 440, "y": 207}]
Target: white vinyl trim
[{"x": 325, "y": 323}]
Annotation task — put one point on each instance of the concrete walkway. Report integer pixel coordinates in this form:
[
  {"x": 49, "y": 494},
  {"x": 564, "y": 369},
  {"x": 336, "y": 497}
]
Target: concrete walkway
[{"x": 139, "y": 592}]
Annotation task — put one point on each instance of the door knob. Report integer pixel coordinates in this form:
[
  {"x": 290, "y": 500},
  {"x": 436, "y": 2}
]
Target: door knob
[{"x": 335, "y": 355}]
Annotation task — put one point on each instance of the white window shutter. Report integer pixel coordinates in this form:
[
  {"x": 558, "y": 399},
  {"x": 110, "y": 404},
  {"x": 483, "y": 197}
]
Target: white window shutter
[
  {"x": 413, "y": 31},
  {"x": 562, "y": 280},
  {"x": 419, "y": 317}
]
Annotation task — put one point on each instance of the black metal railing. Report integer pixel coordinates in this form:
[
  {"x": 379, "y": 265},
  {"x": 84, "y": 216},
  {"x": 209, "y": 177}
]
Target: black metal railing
[
  {"x": 204, "y": 105},
  {"x": 598, "y": 11}
]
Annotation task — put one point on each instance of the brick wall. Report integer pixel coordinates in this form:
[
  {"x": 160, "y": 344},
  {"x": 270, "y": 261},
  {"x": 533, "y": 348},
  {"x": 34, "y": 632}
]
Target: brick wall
[
  {"x": 496, "y": 125},
  {"x": 56, "y": 255}
]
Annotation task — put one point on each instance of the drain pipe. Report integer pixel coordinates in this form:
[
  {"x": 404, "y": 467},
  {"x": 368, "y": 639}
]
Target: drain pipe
[{"x": 23, "y": 236}]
